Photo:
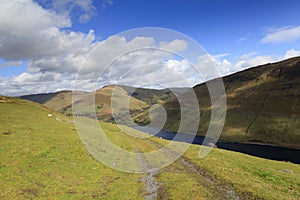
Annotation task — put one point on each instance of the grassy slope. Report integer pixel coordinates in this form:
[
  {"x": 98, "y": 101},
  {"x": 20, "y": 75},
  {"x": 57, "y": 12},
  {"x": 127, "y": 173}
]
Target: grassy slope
[
  {"x": 42, "y": 157},
  {"x": 263, "y": 105}
]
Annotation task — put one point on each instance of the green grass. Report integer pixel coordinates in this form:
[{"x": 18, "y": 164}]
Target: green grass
[
  {"x": 43, "y": 158},
  {"x": 251, "y": 176}
]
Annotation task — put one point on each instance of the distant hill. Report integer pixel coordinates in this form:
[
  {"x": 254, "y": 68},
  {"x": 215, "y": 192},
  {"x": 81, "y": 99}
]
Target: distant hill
[
  {"x": 152, "y": 96},
  {"x": 102, "y": 99},
  {"x": 140, "y": 99},
  {"x": 41, "y": 98},
  {"x": 55, "y": 101}
]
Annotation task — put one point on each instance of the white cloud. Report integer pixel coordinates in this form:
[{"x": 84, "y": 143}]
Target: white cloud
[
  {"x": 226, "y": 67},
  {"x": 128, "y": 54},
  {"x": 291, "y": 53},
  {"x": 32, "y": 79},
  {"x": 249, "y": 60},
  {"x": 137, "y": 59},
  {"x": 130, "y": 62},
  {"x": 166, "y": 74},
  {"x": 245, "y": 61},
  {"x": 174, "y": 46},
  {"x": 281, "y": 35},
  {"x": 27, "y": 31},
  {"x": 162, "y": 71}
]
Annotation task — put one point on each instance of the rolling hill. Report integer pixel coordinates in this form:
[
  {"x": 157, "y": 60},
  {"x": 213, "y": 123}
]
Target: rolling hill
[{"x": 139, "y": 99}]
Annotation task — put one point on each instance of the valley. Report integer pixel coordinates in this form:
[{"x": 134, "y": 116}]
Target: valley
[{"x": 262, "y": 104}]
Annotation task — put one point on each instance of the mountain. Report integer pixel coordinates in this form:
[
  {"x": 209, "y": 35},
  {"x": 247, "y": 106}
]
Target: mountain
[{"x": 263, "y": 105}]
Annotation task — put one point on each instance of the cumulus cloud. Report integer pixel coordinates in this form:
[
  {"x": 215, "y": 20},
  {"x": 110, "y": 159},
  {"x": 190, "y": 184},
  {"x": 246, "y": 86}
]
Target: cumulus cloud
[
  {"x": 282, "y": 34},
  {"x": 170, "y": 73},
  {"x": 131, "y": 62},
  {"x": 174, "y": 46},
  {"x": 102, "y": 54},
  {"x": 226, "y": 67},
  {"x": 54, "y": 54},
  {"x": 42, "y": 37},
  {"x": 252, "y": 59},
  {"x": 291, "y": 53},
  {"x": 161, "y": 72},
  {"x": 207, "y": 63},
  {"x": 114, "y": 57},
  {"x": 27, "y": 31}
]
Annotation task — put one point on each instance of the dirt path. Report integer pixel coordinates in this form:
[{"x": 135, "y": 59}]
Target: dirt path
[
  {"x": 220, "y": 191},
  {"x": 153, "y": 187},
  {"x": 151, "y": 184}
]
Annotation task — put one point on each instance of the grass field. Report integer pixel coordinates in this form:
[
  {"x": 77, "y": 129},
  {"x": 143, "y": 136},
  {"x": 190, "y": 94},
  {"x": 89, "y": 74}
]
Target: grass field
[{"x": 42, "y": 157}]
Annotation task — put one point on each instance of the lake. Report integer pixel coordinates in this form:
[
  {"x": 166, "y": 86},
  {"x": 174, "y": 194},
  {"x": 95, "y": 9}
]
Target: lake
[{"x": 258, "y": 150}]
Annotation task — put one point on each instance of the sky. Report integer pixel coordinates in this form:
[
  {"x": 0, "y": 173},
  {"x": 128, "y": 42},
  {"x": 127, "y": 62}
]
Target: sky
[{"x": 49, "y": 45}]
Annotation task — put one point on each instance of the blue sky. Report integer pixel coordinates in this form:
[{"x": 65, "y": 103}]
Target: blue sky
[
  {"x": 237, "y": 34},
  {"x": 218, "y": 25}
]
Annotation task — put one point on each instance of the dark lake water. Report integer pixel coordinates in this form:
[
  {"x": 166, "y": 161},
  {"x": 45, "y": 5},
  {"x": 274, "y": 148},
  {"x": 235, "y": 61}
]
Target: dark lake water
[{"x": 258, "y": 150}]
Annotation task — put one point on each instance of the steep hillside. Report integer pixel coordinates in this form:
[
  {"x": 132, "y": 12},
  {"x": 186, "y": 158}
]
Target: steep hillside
[
  {"x": 263, "y": 105},
  {"x": 42, "y": 157}
]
